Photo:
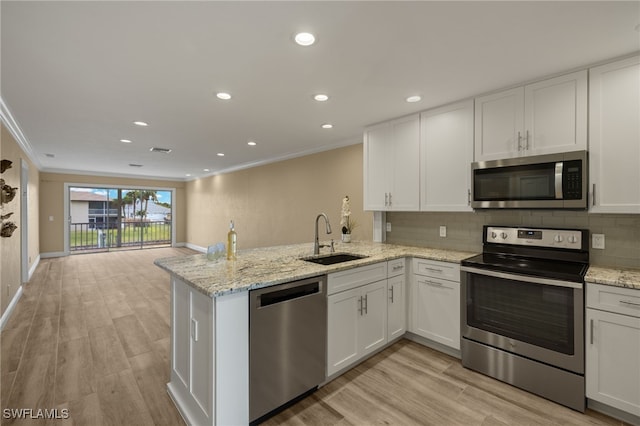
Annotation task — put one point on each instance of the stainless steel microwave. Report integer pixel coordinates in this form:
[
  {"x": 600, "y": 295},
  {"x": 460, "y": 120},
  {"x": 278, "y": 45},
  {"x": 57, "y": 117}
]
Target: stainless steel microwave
[{"x": 554, "y": 181}]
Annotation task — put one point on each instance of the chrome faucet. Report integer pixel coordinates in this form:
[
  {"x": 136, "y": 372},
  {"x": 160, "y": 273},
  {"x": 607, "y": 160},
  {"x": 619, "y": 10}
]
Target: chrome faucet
[{"x": 317, "y": 245}]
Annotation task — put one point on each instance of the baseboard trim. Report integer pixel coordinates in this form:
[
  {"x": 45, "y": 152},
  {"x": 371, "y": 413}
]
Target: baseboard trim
[
  {"x": 10, "y": 307},
  {"x": 33, "y": 267},
  {"x": 613, "y": 412},
  {"x": 53, "y": 254},
  {"x": 195, "y": 247}
]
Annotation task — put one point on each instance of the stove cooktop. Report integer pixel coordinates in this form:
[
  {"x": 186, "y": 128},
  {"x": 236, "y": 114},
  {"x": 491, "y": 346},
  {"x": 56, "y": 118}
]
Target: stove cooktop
[{"x": 546, "y": 268}]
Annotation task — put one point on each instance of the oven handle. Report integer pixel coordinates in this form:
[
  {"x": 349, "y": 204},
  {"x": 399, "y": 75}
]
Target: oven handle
[{"x": 528, "y": 279}]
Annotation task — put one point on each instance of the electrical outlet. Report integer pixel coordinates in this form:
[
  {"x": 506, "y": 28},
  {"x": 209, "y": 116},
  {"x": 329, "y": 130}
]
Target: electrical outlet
[
  {"x": 443, "y": 231},
  {"x": 388, "y": 226},
  {"x": 597, "y": 241}
]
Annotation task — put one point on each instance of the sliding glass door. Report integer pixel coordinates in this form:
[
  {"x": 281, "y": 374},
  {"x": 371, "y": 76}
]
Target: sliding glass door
[{"x": 103, "y": 219}]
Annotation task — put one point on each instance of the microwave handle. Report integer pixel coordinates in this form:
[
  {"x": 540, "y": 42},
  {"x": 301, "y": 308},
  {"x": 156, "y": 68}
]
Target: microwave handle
[{"x": 558, "y": 180}]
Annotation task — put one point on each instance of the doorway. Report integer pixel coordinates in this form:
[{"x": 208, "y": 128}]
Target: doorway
[{"x": 118, "y": 218}]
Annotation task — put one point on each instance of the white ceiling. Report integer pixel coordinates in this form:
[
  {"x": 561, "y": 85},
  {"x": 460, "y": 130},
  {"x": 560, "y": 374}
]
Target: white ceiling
[{"x": 75, "y": 75}]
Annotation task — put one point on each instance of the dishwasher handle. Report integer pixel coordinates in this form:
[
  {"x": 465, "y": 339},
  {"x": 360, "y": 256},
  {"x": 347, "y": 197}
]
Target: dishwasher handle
[{"x": 280, "y": 296}]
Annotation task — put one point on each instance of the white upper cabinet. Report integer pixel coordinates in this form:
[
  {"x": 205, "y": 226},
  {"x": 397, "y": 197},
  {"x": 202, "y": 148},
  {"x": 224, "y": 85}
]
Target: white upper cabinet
[
  {"x": 546, "y": 117},
  {"x": 392, "y": 165},
  {"x": 446, "y": 153},
  {"x": 614, "y": 137}
]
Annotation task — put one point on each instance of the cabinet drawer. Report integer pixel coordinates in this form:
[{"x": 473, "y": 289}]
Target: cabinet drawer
[
  {"x": 396, "y": 267},
  {"x": 437, "y": 269},
  {"x": 618, "y": 300},
  {"x": 355, "y": 277}
]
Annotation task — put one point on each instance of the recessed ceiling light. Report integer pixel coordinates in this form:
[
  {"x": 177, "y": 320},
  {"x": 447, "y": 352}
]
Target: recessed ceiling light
[
  {"x": 305, "y": 39},
  {"x": 140, "y": 123},
  {"x": 415, "y": 98},
  {"x": 223, "y": 95},
  {"x": 220, "y": 154},
  {"x": 327, "y": 126},
  {"x": 188, "y": 175},
  {"x": 320, "y": 97},
  {"x": 125, "y": 141},
  {"x": 206, "y": 170},
  {"x": 251, "y": 143}
]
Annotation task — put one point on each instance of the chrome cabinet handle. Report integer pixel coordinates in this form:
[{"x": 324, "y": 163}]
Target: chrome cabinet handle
[
  {"x": 386, "y": 199},
  {"x": 391, "y": 291},
  {"x": 194, "y": 329},
  {"x": 360, "y": 305},
  {"x": 434, "y": 283},
  {"x": 390, "y": 202},
  {"x": 591, "y": 332},
  {"x": 433, "y": 269},
  {"x": 629, "y": 302},
  {"x": 526, "y": 141},
  {"x": 366, "y": 305},
  {"x": 519, "y": 142},
  {"x": 395, "y": 268}
]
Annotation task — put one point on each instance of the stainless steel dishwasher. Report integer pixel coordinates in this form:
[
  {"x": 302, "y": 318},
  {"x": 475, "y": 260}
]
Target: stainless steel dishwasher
[{"x": 287, "y": 343}]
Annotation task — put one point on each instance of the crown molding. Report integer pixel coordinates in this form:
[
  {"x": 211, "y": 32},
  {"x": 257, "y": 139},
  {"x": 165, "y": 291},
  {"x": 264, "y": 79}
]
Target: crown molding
[{"x": 22, "y": 141}]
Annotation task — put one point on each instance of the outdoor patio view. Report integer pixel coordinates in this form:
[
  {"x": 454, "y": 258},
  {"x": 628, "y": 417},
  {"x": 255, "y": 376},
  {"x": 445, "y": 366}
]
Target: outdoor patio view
[{"x": 116, "y": 218}]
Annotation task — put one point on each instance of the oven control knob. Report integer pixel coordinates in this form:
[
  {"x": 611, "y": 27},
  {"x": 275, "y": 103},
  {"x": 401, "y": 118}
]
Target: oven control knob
[
  {"x": 572, "y": 239},
  {"x": 504, "y": 235},
  {"x": 558, "y": 238},
  {"x": 494, "y": 235}
]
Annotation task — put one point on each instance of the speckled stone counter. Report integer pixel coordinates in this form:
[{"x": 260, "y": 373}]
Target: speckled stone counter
[
  {"x": 256, "y": 268},
  {"x": 629, "y": 278}
]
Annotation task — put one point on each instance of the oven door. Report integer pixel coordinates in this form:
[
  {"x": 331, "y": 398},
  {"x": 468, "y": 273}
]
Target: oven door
[{"x": 538, "y": 318}]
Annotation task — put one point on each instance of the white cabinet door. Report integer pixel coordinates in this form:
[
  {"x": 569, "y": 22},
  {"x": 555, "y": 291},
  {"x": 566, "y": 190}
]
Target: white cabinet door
[
  {"x": 202, "y": 351},
  {"x": 343, "y": 312},
  {"x": 377, "y": 152},
  {"x": 446, "y": 151},
  {"x": 499, "y": 124},
  {"x": 614, "y": 137},
  {"x": 373, "y": 321},
  {"x": 405, "y": 166},
  {"x": 392, "y": 165},
  {"x": 546, "y": 117},
  {"x": 556, "y": 115},
  {"x": 612, "y": 360},
  {"x": 436, "y": 310},
  {"x": 396, "y": 307}
]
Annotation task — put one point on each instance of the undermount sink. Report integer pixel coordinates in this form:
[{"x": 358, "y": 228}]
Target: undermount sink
[{"x": 331, "y": 259}]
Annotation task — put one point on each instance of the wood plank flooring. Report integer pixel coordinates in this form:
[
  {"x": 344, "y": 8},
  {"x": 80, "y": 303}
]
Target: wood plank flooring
[{"x": 91, "y": 335}]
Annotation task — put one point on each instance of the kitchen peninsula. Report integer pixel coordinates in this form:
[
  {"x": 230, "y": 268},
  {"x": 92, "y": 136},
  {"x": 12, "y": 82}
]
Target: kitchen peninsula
[
  {"x": 210, "y": 317},
  {"x": 210, "y": 314}
]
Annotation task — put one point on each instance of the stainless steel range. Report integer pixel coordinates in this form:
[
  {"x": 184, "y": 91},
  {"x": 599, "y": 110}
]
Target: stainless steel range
[{"x": 522, "y": 310}]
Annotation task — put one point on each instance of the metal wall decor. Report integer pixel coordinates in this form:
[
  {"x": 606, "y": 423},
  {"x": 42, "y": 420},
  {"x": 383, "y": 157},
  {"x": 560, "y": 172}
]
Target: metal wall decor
[{"x": 7, "y": 194}]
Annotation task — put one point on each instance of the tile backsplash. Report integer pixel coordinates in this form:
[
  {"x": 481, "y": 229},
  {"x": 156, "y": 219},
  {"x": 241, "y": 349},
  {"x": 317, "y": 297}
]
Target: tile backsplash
[{"x": 464, "y": 230}]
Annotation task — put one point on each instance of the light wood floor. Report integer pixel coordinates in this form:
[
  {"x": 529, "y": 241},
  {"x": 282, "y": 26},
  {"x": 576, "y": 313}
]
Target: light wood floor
[{"x": 91, "y": 335}]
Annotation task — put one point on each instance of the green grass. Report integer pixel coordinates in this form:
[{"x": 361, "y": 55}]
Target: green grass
[{"x": 130, "y": 235}]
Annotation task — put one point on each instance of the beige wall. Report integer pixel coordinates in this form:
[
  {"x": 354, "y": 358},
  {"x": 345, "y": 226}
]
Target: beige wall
[
  {"x": 11, "y": 247},
  {"x": 277, "y": 203},
  {"x": 52, "y": 204}
]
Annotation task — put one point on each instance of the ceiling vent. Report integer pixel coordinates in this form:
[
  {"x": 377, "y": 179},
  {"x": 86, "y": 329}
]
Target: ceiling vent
[
  {"x": 161, "y": 150},
  {"x": 135, "y": 165}
]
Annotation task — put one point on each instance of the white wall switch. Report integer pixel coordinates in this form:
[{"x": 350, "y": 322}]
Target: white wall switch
[
  {"x": 443, "y": 231},
  {"x": 388, "y": 226},
  {"x": 597, "y": 241}
]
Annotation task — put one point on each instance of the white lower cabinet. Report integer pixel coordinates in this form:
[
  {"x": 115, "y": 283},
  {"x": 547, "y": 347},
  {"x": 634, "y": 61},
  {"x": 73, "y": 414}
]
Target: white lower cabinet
[
  {"x": 357, "y": 324},
  {"x": 435, "y": 302},
  {"x": 209, "y": 350},
  {"x": 366, "y": 309},
  {"x": 613, "y": 347}
]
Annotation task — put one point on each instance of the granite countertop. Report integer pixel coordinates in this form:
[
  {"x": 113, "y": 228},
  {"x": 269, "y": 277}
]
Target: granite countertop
[
  {"x": 262, "y": 267},
  {"x": 629, "y": 278}
]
